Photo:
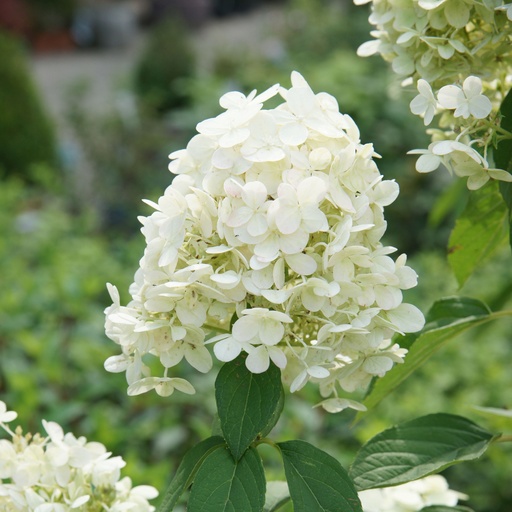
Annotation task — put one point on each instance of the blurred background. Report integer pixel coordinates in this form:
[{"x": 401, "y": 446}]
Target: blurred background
[{"x": 93, "y": 97}]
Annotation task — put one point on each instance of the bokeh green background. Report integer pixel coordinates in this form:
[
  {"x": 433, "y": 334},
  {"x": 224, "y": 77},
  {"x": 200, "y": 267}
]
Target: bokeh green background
[{"x": 57, "y": 251}]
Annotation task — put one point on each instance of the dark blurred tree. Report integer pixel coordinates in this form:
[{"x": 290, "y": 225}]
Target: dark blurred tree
[
  {"x": 167, "y": 59},
  {"x": 26, "y": 132},
  {"x": 50, "y": 14}
]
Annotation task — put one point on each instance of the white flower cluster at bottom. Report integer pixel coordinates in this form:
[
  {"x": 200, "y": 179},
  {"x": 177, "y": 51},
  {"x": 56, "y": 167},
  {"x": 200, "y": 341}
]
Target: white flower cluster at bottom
[
  {"x": 411, "y": 497},
  {"x": 60, "y": 472}
]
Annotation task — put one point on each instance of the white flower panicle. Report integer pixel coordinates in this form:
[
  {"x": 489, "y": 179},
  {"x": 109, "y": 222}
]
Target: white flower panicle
[
  {"x": 60, "y": 472},
  {"x": 440, "y": 40},
  {"x": 411, "y": 497},
  {"x": 458, "y": 53},
  {"x": 267, "y": 242}
]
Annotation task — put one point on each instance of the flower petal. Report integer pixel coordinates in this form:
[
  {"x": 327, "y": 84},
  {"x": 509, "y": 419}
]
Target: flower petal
[
  {"x": 258, "y": 361},
  {"x": 227, "y": 349}
]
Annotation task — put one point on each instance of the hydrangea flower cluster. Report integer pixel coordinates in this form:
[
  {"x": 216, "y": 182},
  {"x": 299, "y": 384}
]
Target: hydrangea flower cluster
[
  {"x": 60, "y": 472},
  {"x": 411, "y": 497},
  {"x": 267, "y": 242},
  {"x": 458, "y": 53}
]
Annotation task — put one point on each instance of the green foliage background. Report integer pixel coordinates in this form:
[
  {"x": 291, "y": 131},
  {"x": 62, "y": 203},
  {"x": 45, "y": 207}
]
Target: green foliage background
[{"x": 55, "y": 262}]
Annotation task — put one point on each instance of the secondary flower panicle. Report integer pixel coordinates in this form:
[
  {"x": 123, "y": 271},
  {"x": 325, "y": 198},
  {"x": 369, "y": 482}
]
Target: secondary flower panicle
[
  {"x": 458, "y": 54},
  {"x": 440, "y": 40},
  {"x": 268, "y": 243},
  {"x": 412, "y": 496},
  {"x": 60, "y": 472}
]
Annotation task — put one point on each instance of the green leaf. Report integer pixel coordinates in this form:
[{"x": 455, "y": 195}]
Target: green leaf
[
  {"x": 249, "y": 404},
  {"x": 277, "y": 496},
  {"x": 503, "y": 151},
  {"x": 506, "y": 192},
  {"x": 503, "y": 156},
  {"x": 278, "y": 409},
  {"x": 416, "y": 449},
  {"x": 216, "y": 429},
  {"x": 478, "y": 232},
  {"x": 444, "y": 508},
  {"x": 317, "y": 482},
  {"x": 452, "y": 309},
  {"x": 223, "y": 485},
  {"x": 446, "y": 319},
  {"x": 187, "y": 470}
]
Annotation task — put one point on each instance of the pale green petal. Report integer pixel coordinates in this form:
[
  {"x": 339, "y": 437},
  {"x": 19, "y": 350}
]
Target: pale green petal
[
  {"x": 226, "y": 279},
  {"x": 386, "y": 192},
  {"x": 302, "y": 264},
  {"x": 387, "y": 297},
  {"x": 311, "y": 301},
  {"x": 318, "y": 372},
  {"x": 462, "y": 110},
  {"x": 239, "y": 217},
  {"x": 277, "y": 356},
  {"x": 293, "y": 244},
  {"x": 268, "y": 249},
  {"x": 480, "y": 106},
  {"x": 369, "y": 48},
  {"x": 172, "y": 357},
  {"x": 313, "y": 219},
  {"x": 299, "y": 381},
  {"x": 257, "y": 225},
  {"x": 407, "y": 318},
  {"x": 377, "y": 365},
  {"x": 182, "y": 385},
  {"x": 254, "y": 194},
  {"x": 189, "y": 312},
  {"x": 245, "y": 328},
  {"x": 227, "y": 349},
  {"x": 406, "y": 37},
  {"x": 457, "y": 13},
  {"x": 293, "y": 134},
  {"x": 81, "y": 501},
  {"x": 54, "y": 430},
  {"x": 57, "y": 455},
  {"x": 233, "y": 99},
  {"x": 430, "y": 4},
  {"x": 311, "y": 190},
  {"x": 278, "y": 316},
  {"x": 258, "y": 361},
  {"x": 288, "y": 219},
  {"x": 472, "y": 86},
  {"x": 113, "y": 364},
  {"x": 276, "y": 296},
  {"x": 477, "y": 181},
  {"x": 419, "y": 105},
  {"x": 428, "y": 163},
  {"x": 199, "y": 358},
  {"x": 403, "y": 65},
  {"x": 450, "y": 96},
  {"x": 278, "y": 273},
  {"x": 334, "y": 405},
  {"x": 501, "y": 175},
  {"x": 142, "y": 386},
  {"x": 298, "y": 80},
  {"x": 271, "y": 332},
  {"x": 301, "y": 100}
]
